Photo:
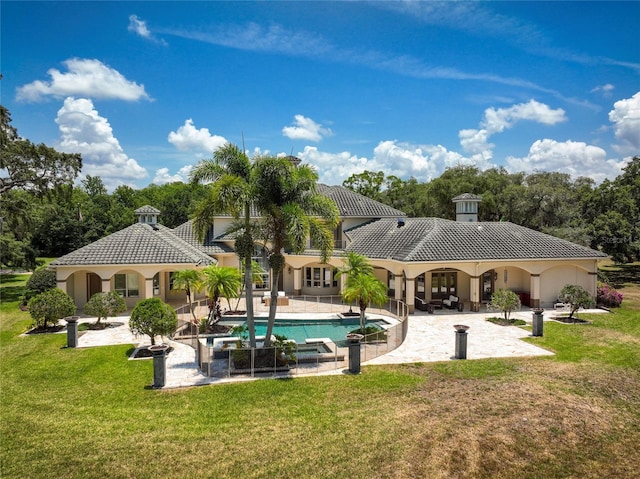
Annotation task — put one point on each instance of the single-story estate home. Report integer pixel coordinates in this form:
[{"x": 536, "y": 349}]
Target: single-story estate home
[{"x": 421, "y": 260}]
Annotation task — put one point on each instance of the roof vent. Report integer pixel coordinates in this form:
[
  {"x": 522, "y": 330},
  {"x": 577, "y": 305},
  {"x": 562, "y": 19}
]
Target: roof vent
[{"x": 400, "y": 222}]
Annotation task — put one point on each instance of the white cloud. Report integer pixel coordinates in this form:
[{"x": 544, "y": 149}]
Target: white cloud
[
  {"x": 85, "y": 78},
  {"x": 306, "y": 129},
  {"x": 163, "y": 176},
  {"x": 497, "y": 120},
  {"x": 404, "y": 160},
  {"x": 606, "y": 89},
  {"x": 626, "y": 119},
  {"x": 573, "y": 157},
  {"x": 84, "y": 131},
  {"x": 139, "y": 27},
  {"x": 188, "y": 137}
]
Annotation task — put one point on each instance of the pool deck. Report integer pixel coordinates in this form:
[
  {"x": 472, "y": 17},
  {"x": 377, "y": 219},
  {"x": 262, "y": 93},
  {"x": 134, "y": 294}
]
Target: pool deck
[{"x": 430, "y": 338}]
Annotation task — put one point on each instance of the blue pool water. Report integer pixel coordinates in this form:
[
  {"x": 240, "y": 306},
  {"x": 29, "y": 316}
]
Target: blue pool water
[{"x": 300, "y": 329}]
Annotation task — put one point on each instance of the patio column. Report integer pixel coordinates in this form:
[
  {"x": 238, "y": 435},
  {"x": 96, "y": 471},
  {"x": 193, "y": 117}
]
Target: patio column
[
  {"x": 410, "y": 289},
  {"x": 593, "y": 283},
  {"x": 148, "y": 288},
  {"x": 535, "y": 290},
  {"x": 106, "y": 285},
  {"x": 474, "y": 288},
  {"x": 62, "y": 284},
  {"x": 398, "y": 281},
  {"x": 297, "y": 281}
]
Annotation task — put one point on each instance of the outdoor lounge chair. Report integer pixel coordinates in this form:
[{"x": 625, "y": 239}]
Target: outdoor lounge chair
[
  {"x": 421, "y": 304},
  {"x": 453, "y": 303}
]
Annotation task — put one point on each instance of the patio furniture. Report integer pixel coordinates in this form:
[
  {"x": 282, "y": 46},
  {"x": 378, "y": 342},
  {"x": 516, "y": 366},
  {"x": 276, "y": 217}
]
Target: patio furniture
[
  {"x": 421, "y": 304},
  {"x": 453, "y": 303}
]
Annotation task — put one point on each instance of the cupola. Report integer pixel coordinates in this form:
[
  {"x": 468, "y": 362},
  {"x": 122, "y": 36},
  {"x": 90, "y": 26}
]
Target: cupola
[
  {"x": 147, "y": 215},
  {"x": 467, "y": 207}
]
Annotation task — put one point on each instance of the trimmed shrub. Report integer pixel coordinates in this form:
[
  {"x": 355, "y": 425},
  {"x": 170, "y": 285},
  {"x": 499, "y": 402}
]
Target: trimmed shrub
[
  {"x": 50, "y": 307},
  {"x": 608, "y": 296},
  {"x": 153, "y": 317}
]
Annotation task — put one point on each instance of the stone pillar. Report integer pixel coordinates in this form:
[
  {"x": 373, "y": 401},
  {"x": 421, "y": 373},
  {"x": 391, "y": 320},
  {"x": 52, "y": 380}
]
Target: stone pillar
[
  {"x": 537, "y": 322},
  {"x": 106, "y": 285},
  {"x": 159, "y": 352},
  {"x": 72, "y": 331},
  {"x": 461, "y": 341},
  {"x": 62, "y": 284},
  {"x": 354, "y": 352},
  {"x": 535, "y": 291}
]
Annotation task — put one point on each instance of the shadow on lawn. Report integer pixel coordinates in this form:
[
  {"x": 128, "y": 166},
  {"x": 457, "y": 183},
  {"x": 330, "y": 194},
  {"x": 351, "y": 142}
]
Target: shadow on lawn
[
  {"x": 620, "y": 274},
  {"x": 11, "y": 293}
]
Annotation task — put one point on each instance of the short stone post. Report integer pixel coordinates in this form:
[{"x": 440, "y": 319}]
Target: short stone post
[
  {"x": 354, "y": 352},
  {"x": 461, "y": 341},
  {"x": 537, "y": 322},
  {"x": 72, "y": 331},
  {"x": 159, "y": 352}
]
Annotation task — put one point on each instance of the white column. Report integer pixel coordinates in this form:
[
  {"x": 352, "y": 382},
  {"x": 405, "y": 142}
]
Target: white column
[
  {"x": 474, "y": 289},
  {"x": 410, "y": 293},
  {"x": 148, "y": 288},
  {"x": 398, "y": 281},
  {"x": 535, "y": 291},
  {"x": 297, "y": 281},
  {"x": 106, "y": 285}
]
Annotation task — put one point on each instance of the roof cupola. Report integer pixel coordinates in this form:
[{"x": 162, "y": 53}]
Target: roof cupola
[
  {"x": 467, "y": 207},
  {"x": 147, "y": 215}
]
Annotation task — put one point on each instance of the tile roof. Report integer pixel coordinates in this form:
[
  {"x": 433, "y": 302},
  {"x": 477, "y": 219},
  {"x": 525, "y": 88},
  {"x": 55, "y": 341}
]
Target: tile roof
[
  {"x": 147, "y": 209},
  {"x": 137, "y": 244},
  {"x": 210, "y": 245},
  {"x": 435, "y": 239},
  {"x": 351, "y": 204}
]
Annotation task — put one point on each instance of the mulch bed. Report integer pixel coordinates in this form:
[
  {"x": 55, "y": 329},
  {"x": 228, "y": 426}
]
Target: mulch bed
[
  {"x": 143, "y": 353},
  {"x": 566, "y": 320},
  {"x": 504, "y": 322},
  {"x": 47, "y": 330}
]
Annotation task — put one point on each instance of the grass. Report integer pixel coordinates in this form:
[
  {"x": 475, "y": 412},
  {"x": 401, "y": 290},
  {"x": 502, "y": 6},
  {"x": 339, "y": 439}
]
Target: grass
[{"x": 85, "y": 413}]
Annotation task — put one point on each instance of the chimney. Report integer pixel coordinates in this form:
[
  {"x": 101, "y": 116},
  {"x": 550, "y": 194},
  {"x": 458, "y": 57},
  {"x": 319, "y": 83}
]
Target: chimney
[{"x": 467, "y": 207}]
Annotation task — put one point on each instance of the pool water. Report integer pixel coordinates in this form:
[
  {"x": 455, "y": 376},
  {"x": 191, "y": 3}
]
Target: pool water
[{"x": 300, "y": 329}]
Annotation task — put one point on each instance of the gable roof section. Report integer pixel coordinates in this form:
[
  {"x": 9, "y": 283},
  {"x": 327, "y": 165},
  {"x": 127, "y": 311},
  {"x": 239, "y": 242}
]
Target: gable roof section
[
  {"x": 210, "y": 245},
  {"x": 435, "y": 239},
  {"x": 354, "y": 205},
  {"x": 137, "y": 244}
]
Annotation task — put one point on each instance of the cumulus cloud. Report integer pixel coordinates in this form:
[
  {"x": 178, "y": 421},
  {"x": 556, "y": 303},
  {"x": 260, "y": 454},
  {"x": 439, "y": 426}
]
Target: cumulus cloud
[
  {"x": 84, "y": 78},
  {"x": 163, "y": 175},
  {"x": 404, "y": 160},
  {"x": 626, "y": 119},
  {"x": 306, "y": 129},
  {"x": 84, "y": 131},
  {"x": 188, "y": 137},
  {"x": 606, "y": 89},
  {"x": 139, "y": 27},
  {"x": 573, "y": 157},
  {"x": 496, "y": 120}
]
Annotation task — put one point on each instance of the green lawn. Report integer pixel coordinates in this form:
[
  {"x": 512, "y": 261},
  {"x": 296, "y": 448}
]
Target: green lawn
[{"x": 89, "y": 413}]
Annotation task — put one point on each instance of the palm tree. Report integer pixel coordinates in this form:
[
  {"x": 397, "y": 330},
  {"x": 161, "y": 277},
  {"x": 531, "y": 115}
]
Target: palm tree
[
  {"x": 220, "y": 282},
  {"x": 232, "y": 192},
  {"x": 292, "y": 211},
  {"x": 189, "y": 281},
  {"x": 364, "y": 288},
  {"x": 354, "y": 264}
]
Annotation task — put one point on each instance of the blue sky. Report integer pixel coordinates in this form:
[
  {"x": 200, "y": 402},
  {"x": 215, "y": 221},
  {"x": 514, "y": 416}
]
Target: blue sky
[{"x": 144, "y": 90}]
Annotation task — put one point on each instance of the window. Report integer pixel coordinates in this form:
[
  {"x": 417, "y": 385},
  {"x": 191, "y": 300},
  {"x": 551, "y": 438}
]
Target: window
[
  {"x": 443, "y": 284},
  {"x": 156, "y": 284},
  {"x": 126, "y": 285},
  {"x": 318, "y": 277}
]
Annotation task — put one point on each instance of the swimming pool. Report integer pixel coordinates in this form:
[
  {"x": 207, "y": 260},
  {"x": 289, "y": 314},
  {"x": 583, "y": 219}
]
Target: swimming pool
[{"x": 300, "y": 330}]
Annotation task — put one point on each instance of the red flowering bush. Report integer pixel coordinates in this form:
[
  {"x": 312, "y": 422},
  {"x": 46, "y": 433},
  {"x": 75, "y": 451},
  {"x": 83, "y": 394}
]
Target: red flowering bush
[{"x": 608, "y": 296}]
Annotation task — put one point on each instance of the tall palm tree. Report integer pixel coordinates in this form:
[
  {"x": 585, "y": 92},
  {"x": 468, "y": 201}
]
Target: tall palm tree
[
  {"x": 292, "y": 211},
  {"x": 232, "y": 192},
  {"x": 365, "y": 288},
  {"x": 189, "y": 281},
  {"x": 220, "y": 282}
]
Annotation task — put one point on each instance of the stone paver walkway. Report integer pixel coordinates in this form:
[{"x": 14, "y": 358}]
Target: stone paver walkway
[{"x": 429, "y": 338}]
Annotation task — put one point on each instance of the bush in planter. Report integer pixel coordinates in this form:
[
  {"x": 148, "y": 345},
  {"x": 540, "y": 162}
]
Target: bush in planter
[
  {"x": 506, "y": 301},
  {"x": 576, "y": 296},
  {"x": 153, "y": 317},
  {"x": 51, "y": 306},
  {"x": 104, "y": 305}
]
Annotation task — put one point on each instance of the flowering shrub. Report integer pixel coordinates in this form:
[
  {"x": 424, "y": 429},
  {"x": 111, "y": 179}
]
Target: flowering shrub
[{"x": 608, "y": 296}]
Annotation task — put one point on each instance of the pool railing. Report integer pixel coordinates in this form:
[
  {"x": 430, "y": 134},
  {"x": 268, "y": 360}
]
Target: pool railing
[{"x": 215, "y": 363}]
